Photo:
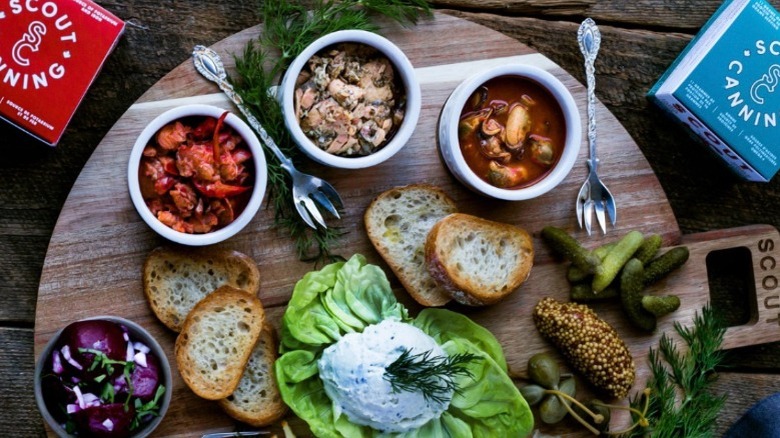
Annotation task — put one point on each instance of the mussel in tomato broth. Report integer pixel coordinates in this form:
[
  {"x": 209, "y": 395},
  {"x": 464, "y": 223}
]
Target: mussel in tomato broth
[{"x": 511, "y": 132}]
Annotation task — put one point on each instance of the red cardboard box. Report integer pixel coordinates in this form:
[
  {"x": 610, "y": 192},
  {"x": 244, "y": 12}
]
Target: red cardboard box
[{"x": 50, "y": 52}]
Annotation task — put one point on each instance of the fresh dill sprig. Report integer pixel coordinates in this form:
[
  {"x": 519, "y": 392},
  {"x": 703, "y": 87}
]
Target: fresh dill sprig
[
  {"x": 288, "y": 28},
  {"x": 680, "y": 403},
  {"x": 433, "y": 376}
]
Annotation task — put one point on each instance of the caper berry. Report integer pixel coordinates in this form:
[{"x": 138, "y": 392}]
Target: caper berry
[
  {"x": 568, "y": 386},
  {"x": 552, "y": 409},
  {"x": 544, "y": 370},
  {"x": 532, "y": 394}
]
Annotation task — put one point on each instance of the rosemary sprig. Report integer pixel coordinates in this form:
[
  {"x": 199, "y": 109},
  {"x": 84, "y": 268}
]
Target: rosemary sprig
[
  {"x": 434, "y": 376},
  {"x": 288, "y": 28},
  {"x": 680, "y": 403}
]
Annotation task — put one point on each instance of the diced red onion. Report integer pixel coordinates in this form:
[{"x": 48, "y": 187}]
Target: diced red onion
[
  {"x": 66, "y": 354},
  {"x": 140, "y": 359},
  {"x": 126, "y": 336},
  {"x": 56, "y": 364},
  {"x": 141, "y": 347},
  {"x": 79, "y": 396},
  {"x": 130, "y": 352},
  {"x": 72, "y": 408},
  {"x": 75, "y": 379},
  {"x": 108, "y": 424},
  {"x": 91, "y": 399}
]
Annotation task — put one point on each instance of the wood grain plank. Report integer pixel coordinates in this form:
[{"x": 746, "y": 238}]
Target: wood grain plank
[{"x": 20, "y": 413}]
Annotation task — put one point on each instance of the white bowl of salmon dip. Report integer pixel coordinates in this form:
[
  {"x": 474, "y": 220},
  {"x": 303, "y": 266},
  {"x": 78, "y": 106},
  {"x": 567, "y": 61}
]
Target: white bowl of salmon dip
[{"x": 350, "y": 99}]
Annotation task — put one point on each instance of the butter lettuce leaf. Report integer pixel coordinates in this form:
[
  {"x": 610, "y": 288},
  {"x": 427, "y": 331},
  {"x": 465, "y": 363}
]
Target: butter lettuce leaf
[
  {"x": 348, "y": 296},
  {"x": 340, "y": 298}
]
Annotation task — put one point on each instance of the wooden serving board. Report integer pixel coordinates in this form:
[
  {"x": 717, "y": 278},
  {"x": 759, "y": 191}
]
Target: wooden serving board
[{"x": 94, "y": 261}]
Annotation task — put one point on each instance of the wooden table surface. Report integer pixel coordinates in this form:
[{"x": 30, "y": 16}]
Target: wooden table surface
[{"x": 640, "y": 40}]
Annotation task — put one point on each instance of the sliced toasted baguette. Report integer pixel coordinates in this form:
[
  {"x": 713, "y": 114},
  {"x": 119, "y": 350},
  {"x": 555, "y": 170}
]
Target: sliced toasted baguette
[
  {"x": 175, "y": 279},
  {"x": 216, "y": 340},
  {"x": 257, "y": 400},
  {"x": 478, "y": 261},
  {"x": 397, "y": 222}
]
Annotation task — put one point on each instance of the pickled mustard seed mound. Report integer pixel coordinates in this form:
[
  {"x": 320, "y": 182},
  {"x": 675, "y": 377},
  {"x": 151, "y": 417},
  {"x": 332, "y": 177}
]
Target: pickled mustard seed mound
[
  {"x": 175, "y": 279},
  {"x": 216, "y": 341},
  {"x": 590, "y": 345}
]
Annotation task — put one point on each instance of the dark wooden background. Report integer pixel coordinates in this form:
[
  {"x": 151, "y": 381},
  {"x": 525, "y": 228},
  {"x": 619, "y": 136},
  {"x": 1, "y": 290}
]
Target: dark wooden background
[{"x": 640, "y": 40}]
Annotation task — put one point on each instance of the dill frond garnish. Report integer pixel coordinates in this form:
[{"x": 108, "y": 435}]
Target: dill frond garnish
[
  {"x": 680, "y": 403},
  {"x": 288, "y": 28},
  {"x": 433, "y": 376}
]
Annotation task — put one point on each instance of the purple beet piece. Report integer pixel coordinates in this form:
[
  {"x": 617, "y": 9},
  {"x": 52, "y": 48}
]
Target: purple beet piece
[
  {"x": 146, "y": 379},
  {"x": 105, "y": 421},
  {"x": 101, "y": 335}
]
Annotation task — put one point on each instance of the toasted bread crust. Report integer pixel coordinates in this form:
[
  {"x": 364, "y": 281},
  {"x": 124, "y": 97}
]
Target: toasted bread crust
[
  {"x": 257, "y": 400},
  {"x": 216, "y": 341},
  {"x": 175, "y": 279},
  {"x": 387, "y": 216},
  {"x": 473, "y": 282}
]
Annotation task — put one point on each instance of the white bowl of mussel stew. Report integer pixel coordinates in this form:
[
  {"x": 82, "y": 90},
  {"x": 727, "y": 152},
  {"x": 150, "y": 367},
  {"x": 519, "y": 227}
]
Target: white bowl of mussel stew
[
  {"x": 512, "y": 132},
  {"x": 103, "y": 377},
  {"x": 351, "y": 99}
]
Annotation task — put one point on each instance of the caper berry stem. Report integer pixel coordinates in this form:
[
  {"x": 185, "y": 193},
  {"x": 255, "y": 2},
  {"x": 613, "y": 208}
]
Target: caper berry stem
[
  {"x": 597, "y": 418},
  {"x": 578, "y": 418},
  {"x": 643, "y": 422}
]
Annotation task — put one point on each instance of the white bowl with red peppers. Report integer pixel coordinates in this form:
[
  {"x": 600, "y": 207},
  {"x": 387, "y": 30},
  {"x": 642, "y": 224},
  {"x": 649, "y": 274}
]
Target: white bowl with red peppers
[
  {"x": 104, "y": 376},
  {"x": 197, "y": 174}
]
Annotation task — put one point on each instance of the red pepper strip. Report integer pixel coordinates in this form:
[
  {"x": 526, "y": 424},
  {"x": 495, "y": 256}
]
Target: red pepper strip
[
  {"x": 219, "y": 189},
  {"x": 216, "y": 137}
]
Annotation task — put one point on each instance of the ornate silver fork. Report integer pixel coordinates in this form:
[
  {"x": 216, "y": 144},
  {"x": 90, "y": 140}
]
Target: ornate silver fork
[
  {"x": 306, "y": 188},
  {"x": 593, "y": 195}
]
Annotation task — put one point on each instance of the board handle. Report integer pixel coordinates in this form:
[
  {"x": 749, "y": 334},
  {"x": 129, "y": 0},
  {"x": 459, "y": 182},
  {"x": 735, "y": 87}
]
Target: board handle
[{"x": 752, "y": 252}]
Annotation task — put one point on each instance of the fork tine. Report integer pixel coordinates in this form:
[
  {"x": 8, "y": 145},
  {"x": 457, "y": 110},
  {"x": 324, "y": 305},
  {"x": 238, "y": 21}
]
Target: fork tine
[
  {"x": 587, "y": 214},
  {"x": 332, "y": 194},
  {"x": 611, "y": 209},
  {"x": 325, "y": 203},
  {"x": 304, "y": 214},
  {"x": 600, "y": 216},
  {"x": 311, "y": 207}
]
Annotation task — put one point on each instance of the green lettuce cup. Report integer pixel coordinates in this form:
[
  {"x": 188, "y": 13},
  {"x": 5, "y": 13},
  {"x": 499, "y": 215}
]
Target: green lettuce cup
[{"x": 347, "y": 297}]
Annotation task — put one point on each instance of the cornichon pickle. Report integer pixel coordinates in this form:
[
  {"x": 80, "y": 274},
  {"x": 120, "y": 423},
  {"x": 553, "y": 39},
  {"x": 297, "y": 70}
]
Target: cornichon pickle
[
  {"x": 565, "y": 245},
  {"x": 631, "y": 285},
  {"x": 665, "y": 263},
  {"x": 583, "y": 293},
  {"x": 615, "y": 259},
  {"x": 649, "y": 248},
  {"x": 660, "y": 306},
  {"x": 532, "y": 394},
  {"x": 576, "y": 275},
  {"x": 544, "y": 370}
]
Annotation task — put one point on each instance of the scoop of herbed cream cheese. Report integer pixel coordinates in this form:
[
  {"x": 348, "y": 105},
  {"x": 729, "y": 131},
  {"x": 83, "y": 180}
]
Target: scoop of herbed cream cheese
[{"x": 352, "y": 371}]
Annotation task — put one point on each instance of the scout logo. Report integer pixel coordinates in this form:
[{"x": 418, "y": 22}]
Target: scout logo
[
  {"x": 48, "y": 28},
  {"x": 748, "y": 107},
  {"x": 767, "y": 82}
]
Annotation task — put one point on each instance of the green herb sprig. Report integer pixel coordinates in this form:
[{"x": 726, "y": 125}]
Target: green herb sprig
[
  {"x": 680, "y": 403},
  {"x": 433, "y": 376},
  {"x": 288, "y": 28}
]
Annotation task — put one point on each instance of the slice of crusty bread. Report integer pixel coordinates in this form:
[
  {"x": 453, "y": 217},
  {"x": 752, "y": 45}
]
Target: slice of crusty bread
[
  {"x": 216, "y": 340},
  {"x": 397, "y": 222},
  {"x": 478, "y": 261},
  {"x": 257, "y": 400},
  {"x": 175, "y": 279}
]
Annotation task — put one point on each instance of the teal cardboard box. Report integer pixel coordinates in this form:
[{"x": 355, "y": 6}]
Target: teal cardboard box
[{"x": 725, "y": 87}]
